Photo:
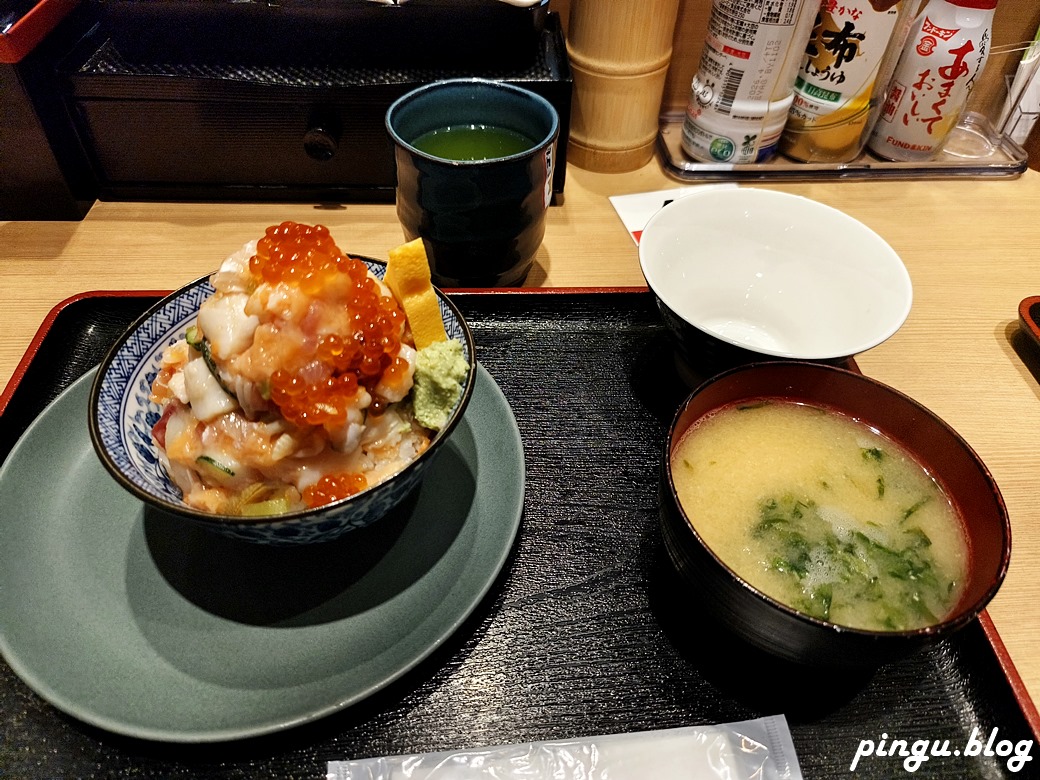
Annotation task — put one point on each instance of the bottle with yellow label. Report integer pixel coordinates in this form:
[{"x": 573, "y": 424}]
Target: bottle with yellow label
[{"x": 839, "y": 90}]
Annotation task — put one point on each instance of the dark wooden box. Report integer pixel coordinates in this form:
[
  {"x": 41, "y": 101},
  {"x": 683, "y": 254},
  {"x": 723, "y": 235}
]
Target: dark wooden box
[
  {"x": 297, "y": 131},
  {"x": 390, "y": 33}
]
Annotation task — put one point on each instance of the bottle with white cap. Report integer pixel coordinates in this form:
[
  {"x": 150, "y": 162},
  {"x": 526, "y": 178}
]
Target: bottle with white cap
[
  {"x": 840, "y": 88},
  {"x": 944, "y": 56},
  {"x": 743, "y": 88}
]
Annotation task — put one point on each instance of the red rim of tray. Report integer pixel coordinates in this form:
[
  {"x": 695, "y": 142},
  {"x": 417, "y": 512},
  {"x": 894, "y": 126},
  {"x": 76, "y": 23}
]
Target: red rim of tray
[{"x": 25, "y": 34}]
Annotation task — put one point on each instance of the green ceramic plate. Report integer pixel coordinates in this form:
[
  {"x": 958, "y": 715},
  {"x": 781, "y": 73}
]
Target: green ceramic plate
[{"x": 144, "y": 625}]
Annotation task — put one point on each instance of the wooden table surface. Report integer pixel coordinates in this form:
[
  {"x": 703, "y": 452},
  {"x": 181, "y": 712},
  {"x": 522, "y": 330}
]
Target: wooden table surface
[{"x": 972, "y": 248}]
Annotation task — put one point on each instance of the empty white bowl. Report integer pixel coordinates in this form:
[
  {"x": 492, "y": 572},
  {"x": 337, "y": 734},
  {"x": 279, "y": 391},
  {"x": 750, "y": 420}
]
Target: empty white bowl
[{"x": 744, "y": 274}]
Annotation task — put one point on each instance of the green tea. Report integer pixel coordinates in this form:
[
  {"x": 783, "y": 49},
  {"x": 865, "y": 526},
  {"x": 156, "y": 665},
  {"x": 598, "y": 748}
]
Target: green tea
[{"x": 472, "y": 142}]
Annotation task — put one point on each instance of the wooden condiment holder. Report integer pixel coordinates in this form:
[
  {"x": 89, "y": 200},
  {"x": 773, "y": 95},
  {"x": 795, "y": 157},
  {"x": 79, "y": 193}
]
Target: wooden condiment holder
[{"x": 619, "y": 53}]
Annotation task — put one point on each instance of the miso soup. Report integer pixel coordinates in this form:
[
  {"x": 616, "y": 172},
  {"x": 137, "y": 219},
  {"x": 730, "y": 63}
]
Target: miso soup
[{"x": 822, "y": 513}]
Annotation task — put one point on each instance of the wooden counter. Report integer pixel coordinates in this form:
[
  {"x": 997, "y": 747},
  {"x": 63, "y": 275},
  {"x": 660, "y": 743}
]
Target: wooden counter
[{"x": 971, "y": 248}]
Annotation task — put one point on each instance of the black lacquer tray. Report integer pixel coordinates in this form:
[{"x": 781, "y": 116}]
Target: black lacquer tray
[{"x": 582, "y": 634}]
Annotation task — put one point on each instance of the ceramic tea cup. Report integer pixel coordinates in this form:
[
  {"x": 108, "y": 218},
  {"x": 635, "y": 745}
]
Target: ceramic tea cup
[{"x": 475, "y": 162}]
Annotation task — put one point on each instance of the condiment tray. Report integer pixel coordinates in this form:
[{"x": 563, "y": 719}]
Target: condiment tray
[
  {"x": 974, "y": 150},
  {"x": 581, "y": 634}
]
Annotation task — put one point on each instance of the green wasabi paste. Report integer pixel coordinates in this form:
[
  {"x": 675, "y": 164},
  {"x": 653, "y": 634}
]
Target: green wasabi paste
[{"x": 439, "y": 371}]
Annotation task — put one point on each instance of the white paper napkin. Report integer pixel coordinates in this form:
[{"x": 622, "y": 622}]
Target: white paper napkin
[{"x": 636, "y": 209}]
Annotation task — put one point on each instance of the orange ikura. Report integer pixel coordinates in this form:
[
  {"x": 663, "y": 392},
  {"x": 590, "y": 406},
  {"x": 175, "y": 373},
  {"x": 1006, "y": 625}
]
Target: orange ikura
[
  {"x": 333, "y": 487},
  {"x": 303, "y": 380},
  {"x": 306, "y": 256}
]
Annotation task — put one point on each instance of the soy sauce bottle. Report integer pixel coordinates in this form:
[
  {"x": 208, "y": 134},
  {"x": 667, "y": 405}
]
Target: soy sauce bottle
[{"x": 840, "y": 88}]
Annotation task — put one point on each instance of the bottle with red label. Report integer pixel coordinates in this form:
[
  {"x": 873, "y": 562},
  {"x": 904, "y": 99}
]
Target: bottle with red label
[{"x": 941, "y": 62}]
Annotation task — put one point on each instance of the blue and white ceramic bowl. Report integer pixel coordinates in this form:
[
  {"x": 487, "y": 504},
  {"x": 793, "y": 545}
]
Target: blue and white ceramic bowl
[{"x": 122, "y": 416}]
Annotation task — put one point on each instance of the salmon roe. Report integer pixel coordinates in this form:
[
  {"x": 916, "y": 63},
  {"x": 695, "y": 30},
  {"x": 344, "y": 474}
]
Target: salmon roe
[
  {"x": 307, "y": 257},
  {"x": 333, "y": 487}
]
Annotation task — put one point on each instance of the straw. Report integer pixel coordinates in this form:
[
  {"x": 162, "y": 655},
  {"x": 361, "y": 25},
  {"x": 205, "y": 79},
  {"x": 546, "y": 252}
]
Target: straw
[{"x": 1024, "y": 75}]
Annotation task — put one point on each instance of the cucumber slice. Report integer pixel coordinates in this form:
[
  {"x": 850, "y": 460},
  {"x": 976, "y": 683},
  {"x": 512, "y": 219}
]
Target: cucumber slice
[{"x": 214, "y": 468}]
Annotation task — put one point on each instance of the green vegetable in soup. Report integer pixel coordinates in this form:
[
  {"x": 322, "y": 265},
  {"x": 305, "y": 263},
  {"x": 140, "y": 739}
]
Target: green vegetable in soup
[
  {"x": 832, "y": 566},
  {"x": 823, "y": 513},
  {"x": 873, "y": 453},
  {"x": 914, "y": 507}
]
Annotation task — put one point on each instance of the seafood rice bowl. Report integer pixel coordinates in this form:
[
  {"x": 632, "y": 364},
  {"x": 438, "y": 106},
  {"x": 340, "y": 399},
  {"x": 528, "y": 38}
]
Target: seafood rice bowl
[{"x": 294, "y": 394}]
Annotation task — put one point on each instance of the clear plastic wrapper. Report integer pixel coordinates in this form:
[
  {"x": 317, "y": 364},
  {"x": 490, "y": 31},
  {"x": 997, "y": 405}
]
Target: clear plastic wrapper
[{"x": 759, "y": 749}]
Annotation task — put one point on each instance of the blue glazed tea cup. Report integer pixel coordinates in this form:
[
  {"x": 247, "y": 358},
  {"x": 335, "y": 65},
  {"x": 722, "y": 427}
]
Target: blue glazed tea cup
[{"x": 481, "y": 220}]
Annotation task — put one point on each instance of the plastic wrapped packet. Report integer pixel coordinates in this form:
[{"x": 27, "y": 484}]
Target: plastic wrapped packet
[{"x": 759, "y": 749}]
